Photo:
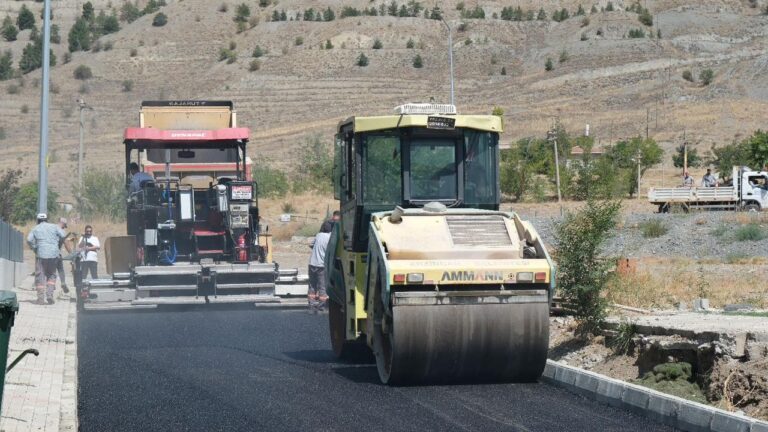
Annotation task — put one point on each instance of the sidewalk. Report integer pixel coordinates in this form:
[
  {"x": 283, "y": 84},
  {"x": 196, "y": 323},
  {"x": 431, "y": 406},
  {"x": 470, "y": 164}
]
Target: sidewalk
[{"x": 41, "y": 392}]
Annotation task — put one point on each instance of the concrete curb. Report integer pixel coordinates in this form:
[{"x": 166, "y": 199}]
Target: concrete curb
[
  {"x": 669, "y": 410},
  {"x": 68, "y": 417}
]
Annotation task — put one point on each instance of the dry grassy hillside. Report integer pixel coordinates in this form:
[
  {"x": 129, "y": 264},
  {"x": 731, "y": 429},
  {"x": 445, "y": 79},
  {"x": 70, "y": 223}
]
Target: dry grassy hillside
[{"x": 608, "y": 81}]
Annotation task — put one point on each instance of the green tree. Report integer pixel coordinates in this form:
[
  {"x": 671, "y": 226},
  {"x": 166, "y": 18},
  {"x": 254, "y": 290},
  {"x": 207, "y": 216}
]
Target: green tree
[
  {"x": 55, "y": 34},
  {"x": 706, "y": 76},
  {"x": 242, "y": 12},
  {"x": 624, "y": 155},
  {"x": 580, "y": 11},
  {"x": 129, "y": 12},
  {"x": 160, "y": 20},
  {"x": 151, "y": 7},
  {"x": 88, "y": 14},
  {"x": 377, "y": 44},
  {"x": 436, "y": 13},
  {"x": 102, "y": 195},
  {"x": 645, "y": 17},
  {"x": 270, "y": 182},
  {"x": 6, "y": 65},
  {"x": 107, "y": 24},
  {"x": 418, "y": 63},
  {"x": 548, "y": 65},
  {"x": 362, "y": 60},
  {"x": 8, "y": 30},
  {"x": 316, "y": 159},
  {"x": 542, "y": 15},
  {"x": 726, "y": 157},
  {"x": 688, "y": 76},
  {"x": 328, "y": 44},
  {"x": 328, "y": 14},
  {"x": 79, "y": 37},
  {"x": 694, "y": 160},
  {"x": 609, "y": 7},
  {"x": 758, "y": 148},
  {"x": 9, "y": 188},
  {"x": 25, "y": 204},
  {"x": 582, "y": 271},
  {"x": 257, "y": 52},
  {"x": 26, "y": 19},
  {"x": 503, "y": 70},
  {"x": 410, "y": 44},
  {"x": 32, "y": 56}
]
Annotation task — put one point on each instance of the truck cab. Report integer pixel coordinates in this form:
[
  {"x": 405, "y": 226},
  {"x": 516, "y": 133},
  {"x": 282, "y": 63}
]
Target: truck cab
[{"x": 753, "y": 189}]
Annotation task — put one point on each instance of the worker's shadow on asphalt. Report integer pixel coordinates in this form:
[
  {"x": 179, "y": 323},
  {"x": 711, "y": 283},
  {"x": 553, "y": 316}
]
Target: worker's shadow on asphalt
[{"x": 360, "y": 369}]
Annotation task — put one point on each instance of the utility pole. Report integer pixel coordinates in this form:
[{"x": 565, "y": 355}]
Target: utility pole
[
  {"x": 552, "y": 136},
  {"x": 83, "y": 106},
  {"x": 450, "y": 56},
  {"x": 42, "y": 175}
]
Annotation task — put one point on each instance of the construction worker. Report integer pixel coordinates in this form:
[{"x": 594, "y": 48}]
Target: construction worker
[
  {"x": 44, "y": 240},
  {"x": 317, "y": 296},
  {"x": 60, "y": 264},
  {"x": 89, "y": 251},
  {"x": 687, "y": 179},
  {"x": 137, "y": 176},
  {"x": 709, "y": 180}
]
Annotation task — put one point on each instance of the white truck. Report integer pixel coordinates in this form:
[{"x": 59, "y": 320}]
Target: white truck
[{"x": 748, "y": 192}]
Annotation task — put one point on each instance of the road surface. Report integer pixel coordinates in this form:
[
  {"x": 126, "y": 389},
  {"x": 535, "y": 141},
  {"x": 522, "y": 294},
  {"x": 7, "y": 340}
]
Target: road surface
[{"x": 242, "y": 369}]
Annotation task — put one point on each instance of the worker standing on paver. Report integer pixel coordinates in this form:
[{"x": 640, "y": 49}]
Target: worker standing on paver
[
  {"x": 44, "y": 240},
  {"x": 137, "y": 178},
  {"x": 317, "y": 296},
  {"x": 89, "y": 251}
]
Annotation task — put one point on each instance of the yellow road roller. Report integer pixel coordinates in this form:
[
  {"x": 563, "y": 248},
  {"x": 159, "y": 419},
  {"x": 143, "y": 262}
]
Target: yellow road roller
[{"x": 423, "y": 269}]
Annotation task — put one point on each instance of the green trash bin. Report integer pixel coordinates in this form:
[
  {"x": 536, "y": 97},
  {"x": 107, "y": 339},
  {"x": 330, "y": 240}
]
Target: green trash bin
[{"x": 8, "y": 308}]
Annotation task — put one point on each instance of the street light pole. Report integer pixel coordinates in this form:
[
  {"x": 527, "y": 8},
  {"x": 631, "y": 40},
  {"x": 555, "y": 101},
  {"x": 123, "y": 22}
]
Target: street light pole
[
  {"x": 83, "y": 106},
  {"x": 42, "y": 175},
  {"x": 450, "y": 56}
]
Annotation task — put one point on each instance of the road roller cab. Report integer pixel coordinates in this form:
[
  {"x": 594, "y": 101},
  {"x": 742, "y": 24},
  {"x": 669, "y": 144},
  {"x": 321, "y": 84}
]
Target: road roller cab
[{"x": 422, "y": 268}]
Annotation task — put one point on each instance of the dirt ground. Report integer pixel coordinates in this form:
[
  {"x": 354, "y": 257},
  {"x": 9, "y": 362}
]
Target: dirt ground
[{"x": 734, "y": 384}]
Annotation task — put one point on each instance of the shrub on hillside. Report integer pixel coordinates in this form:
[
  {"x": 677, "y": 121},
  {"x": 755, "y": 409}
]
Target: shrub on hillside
[
  {"x": 298, "y": 41},
  {"x": 83, "y": 72},
  {"x": 254, "y": 65},
  {"x": 26, "y": 19},
  {"x": 377, "y": 44},
  {"x": 129, "y": 12},
  {"x": 362, "y": 60},
  {"x": 25, "y": 204},
  {"x": 548, "y": 65},
  {"x": 8, "y": 30},
  {"x": 257, "y": 52},
  {"x": 127, "y": 86},
  {"x": 242, "y": 12},
  {"x": 688, "y": 76},
  {"x": 750, "y": 232},
  {"x": 102, "y": 195},
  {"x": 706, "y": 76},
  {"x": 159, "y": 20},
  {"x": 418, "y": 63},
  {"x": 227, "y": 54},
  {"x": 636, "y": 34},
  {"x": 410, "y": 44},
  {"x": 271, "y": 182},
  {"x": 6, "y": 65},
  {"x": 134, "y": 52},
  {"x": 79, "y": 37}
]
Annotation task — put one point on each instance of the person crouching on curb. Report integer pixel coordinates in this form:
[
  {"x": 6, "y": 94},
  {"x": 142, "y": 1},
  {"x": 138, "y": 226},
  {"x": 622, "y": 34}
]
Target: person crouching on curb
[
  {"x": 45, "y": 240},
  {"x": 317, "y": 296}
]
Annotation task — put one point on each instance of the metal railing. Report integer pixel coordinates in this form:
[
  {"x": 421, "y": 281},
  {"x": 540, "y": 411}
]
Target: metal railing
[{"x": 11, "y": 243}]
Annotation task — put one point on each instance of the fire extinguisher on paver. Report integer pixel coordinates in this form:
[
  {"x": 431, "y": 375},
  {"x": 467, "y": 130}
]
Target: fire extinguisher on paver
[{"x": 242, "y": 248}]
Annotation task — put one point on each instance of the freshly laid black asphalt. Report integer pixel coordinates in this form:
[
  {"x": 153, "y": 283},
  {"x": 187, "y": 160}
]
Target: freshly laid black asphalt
[{"x": 242, "y": 369}]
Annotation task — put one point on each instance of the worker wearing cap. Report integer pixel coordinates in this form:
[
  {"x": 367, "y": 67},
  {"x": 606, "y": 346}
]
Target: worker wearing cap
[
  {"x": 137, "y": 176},
  {"x": 687, "y": 179},
  {"x": 45, "y": 240}
]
